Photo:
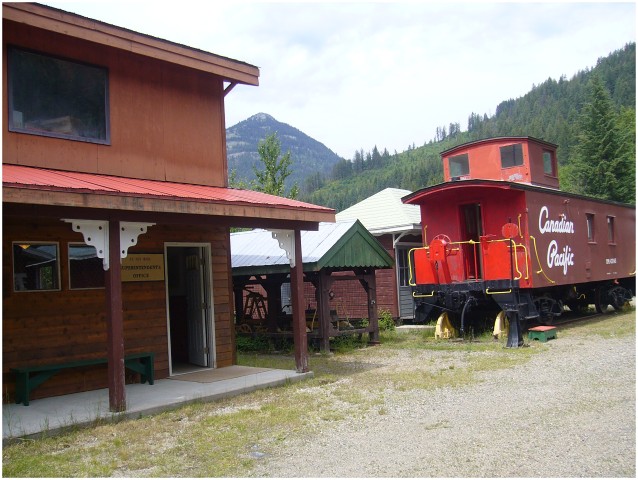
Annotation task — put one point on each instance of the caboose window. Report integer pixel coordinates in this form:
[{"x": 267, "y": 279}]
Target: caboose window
[
  {"x": 611, "y": 234},
  {"x": 459, "y": 165},
  {"x": 590, "y": 227},
  {"x": 512, "y": 155},
  {"x": 548, "y": 164},
  {"x": 57, "y": 98}
]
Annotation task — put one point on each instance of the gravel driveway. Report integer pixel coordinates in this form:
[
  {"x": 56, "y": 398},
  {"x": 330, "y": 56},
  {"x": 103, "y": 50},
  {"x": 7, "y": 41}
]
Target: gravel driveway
[{"x": 568, "y": 412}]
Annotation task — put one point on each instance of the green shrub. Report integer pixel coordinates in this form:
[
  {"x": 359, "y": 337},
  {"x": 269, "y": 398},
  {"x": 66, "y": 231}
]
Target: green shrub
[{"x": 386, "y": 322}]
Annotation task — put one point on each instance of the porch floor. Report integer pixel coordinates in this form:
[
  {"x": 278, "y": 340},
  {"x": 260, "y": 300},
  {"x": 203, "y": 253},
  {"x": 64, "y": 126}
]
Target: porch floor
[{"x": 51, "y": 415}]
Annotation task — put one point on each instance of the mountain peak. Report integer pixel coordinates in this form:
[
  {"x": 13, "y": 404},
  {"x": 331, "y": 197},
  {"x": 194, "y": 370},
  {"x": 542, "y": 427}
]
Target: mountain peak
[{"x": 308, "y": 156}]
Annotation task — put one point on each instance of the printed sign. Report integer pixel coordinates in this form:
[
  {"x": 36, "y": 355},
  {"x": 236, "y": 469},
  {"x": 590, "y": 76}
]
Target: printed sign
[
  {"x": 558, "y": 256},
  {"x": 143, "y": 267}
]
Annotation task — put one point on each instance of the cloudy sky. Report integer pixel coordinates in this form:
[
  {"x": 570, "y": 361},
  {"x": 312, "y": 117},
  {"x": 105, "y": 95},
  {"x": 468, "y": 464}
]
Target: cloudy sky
[{"x": 353, "y": 75}]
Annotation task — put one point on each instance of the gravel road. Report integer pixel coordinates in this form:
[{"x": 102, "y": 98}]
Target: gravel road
[{"x": 568, "y": 412}]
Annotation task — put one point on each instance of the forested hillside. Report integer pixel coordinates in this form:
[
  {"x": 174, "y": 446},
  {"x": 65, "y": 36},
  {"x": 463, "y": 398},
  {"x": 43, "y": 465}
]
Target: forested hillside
[{"x": 552, "y": 111}]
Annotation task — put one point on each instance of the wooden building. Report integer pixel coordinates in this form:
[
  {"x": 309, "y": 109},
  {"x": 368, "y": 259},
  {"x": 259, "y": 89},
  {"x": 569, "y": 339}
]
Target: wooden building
[
  {"x": 340, "y": 261},
  {"x": 398, "y": 228},
  {"x": 116, "y": 206}
]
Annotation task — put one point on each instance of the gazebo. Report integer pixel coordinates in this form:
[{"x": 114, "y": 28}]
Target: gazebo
[{"x": 334, "y": 255}]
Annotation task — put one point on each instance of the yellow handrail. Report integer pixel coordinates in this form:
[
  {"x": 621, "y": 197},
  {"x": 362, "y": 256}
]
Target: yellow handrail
[
  {"x": 539, "y": 262},
  {"x": 487, "y": 290},
  {"x": 410, "y": 279},
  {"x": 414, "y": 295}
]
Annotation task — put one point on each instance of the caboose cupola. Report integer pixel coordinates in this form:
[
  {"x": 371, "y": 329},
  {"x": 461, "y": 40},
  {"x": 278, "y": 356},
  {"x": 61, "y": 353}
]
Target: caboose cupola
[{"x": 511, "y": 159}]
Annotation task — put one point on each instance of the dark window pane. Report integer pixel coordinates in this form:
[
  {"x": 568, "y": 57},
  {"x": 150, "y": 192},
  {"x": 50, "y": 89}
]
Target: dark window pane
[
  {"x": 512, "y": 155},
  {"x": 86, "y": 270},
  {"x": 35, "y": 267},
  {"x": 548, "y": 164},
  {"x": 54, "y": 97}
]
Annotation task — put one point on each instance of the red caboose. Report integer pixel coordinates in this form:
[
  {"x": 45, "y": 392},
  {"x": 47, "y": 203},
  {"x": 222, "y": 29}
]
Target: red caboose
[{"x": 499, "y": 236}]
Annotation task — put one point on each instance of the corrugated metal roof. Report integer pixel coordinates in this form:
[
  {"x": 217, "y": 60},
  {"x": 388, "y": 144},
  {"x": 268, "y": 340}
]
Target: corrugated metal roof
[
  {"x": 384, "y": 212},
  {"x": 77, "y": 182},
  {"x": 343, "y": 245}
]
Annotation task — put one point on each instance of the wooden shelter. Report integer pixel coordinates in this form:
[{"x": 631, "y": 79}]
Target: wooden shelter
[
  {"x": 337, "y": 253},
  {"x": 116, "y": 207}
]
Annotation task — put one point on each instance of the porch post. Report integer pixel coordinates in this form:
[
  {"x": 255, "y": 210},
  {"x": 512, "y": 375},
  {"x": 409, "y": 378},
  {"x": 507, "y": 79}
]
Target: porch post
[
  {"x": 115, "y": 322},
  {"x": 298, "y": 308}
]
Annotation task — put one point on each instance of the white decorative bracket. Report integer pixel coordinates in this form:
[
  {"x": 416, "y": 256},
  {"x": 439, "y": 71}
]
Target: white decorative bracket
[
  {"x": 286, "y": 239},
  {"x": 129, "y": 231},
  {"x": 96, "y": 234}
]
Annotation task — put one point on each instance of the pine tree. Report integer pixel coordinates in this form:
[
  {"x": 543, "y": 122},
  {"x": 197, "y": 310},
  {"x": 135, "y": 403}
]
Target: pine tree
[
  {"x": 271, "y": 179},
  {"x": 598, "y": 167}
]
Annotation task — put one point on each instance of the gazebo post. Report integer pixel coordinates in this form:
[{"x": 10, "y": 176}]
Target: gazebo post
[
  {"x": 324, "y": 309},
  {"x": 298, "y": 308}
]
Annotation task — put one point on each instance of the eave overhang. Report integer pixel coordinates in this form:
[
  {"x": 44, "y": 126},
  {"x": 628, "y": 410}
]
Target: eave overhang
[
  {"x": 77, "y": 26},
  {"x": 33, "y": 189}
]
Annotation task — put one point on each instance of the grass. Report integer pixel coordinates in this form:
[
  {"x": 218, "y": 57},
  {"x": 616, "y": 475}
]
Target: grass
[{"x": 226, "y": 438}]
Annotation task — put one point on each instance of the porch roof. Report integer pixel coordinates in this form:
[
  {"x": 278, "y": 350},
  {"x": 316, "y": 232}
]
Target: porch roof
[{"x": 45, "y": 187}]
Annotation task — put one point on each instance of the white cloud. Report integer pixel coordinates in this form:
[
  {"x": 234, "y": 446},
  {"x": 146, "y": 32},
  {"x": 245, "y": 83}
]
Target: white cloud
[{"x": 353, "y": 75}]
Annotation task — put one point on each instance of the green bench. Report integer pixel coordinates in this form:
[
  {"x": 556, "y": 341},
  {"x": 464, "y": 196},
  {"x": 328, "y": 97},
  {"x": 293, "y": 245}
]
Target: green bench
[{"x": 29, "y": 378}]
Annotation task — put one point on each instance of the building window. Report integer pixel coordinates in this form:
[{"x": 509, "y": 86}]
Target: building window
[
  {"x": 459, "y": 165},
  {"x": 611, "y": 234},
  {"x": 86, "y": 270},
  {"x": 35, "y": 267},
  {"x": 57, "y": 98},
  {"x": 403, "y": 267},
  {"x": 548, "y": 163},
  {"x": 590, "y": 227},
  {"x": 512, "y": 155}
]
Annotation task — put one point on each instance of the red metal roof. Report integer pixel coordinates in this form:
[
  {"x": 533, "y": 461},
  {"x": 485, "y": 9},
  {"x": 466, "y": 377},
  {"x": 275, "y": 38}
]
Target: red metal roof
[{"x": 43, "y": 179}]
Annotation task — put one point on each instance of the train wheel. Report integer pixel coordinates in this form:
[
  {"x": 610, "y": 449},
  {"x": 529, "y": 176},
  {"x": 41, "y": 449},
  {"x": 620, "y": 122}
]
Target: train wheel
[
  {"x": 601, "y": 300},
  {"x": 444, "y": 328},
  {"x": 501, "y": 327}
]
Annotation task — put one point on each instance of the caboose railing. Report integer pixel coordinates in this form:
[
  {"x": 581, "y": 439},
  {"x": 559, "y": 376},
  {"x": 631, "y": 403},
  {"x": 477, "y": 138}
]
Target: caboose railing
[{"x": 458, "y": 262}]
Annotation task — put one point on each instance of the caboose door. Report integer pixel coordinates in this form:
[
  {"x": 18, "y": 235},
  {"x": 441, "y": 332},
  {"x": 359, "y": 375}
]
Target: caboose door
[{"x": 471, "y": 229}]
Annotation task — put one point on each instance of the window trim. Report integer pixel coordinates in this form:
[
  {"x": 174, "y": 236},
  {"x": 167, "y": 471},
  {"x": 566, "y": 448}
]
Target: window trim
[
  {"x": 58, "y": 272},
  {"x": 552, "y": 157},
  {"x": 68, "y": 259},
  {"x": 590, "y": 218},
  {"x": 10, "y": 91},
  {"x": 611, "y": 234},
  {"x": 513, "y": 147},
  {"x": 466, "y": 158}
]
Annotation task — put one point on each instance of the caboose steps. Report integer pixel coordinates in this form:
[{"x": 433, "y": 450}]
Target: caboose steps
[{"x": 542, "y": 333}]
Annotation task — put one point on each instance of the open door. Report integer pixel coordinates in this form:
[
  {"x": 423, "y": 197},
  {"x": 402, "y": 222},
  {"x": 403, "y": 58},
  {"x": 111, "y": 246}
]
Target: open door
[
  {"x": 190, "y": 312},
  {"x": 471, "y": 229}
]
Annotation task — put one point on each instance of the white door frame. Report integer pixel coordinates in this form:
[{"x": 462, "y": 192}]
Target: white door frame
[{"x": 208, "y": 298}]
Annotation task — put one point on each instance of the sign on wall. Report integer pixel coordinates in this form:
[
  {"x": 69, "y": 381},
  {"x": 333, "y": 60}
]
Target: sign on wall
[{"x": 143, "y": 267}]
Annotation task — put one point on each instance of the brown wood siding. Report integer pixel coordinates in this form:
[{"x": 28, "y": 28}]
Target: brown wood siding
[
  {"x": 68, "y": 325},
  {"x": 166, "y": 121}
]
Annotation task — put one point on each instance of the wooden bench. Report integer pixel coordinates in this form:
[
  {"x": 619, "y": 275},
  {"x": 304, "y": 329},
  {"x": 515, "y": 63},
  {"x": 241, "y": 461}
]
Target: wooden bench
[{"x": 29, "y": 378}]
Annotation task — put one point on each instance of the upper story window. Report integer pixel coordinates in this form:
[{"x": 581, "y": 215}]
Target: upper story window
[
  {"x": 35, "y": 266},
  {"x": 512, "y": 155},
  {"x": 57, "y": 98},
  {"x": 459, "y": 165},
  {"x": 549, "y": 165}
]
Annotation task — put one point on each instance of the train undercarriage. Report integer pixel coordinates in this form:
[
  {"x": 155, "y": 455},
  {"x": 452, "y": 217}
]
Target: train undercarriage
[{"x": 507, "y": 309}]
